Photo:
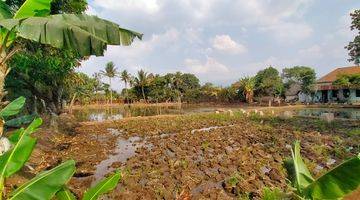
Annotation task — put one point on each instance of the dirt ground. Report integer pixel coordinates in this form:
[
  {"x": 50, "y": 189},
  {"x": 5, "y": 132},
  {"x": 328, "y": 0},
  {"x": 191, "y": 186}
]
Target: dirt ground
[{"x": 199, "y": 156}]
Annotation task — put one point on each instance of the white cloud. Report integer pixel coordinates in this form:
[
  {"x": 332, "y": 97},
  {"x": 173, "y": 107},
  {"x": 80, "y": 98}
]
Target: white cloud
[
  {"x": 148, "y": 6},
  {"x": 210, "y": 66},
  {"x": 288, "y": 32},
  {"x": 226, "y": 44},
  {"x": 315, "y": 51}
]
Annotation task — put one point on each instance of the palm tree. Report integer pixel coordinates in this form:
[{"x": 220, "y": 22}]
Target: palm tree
[
  {"x": 247, "y": 84},
  {"x": 126, "y": 77},
  {"x": 141, "y": 81},
  {"x": 110, "y": 72},
  {"x": 176, "y": 82}
]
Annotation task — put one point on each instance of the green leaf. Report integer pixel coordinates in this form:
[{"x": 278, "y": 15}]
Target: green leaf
[
  {"x": 85, "y": 34},
  {"x": 65, "y": 194},
  {"x": 13, "y": 108},
  {"x": 18, "y": 122},
  {"x": 5, "y": 12},
  {"x": 46, "y": 184},
  {"x": 13, "y": 160},
  {"x": 35, "y": 124},
  {"x": 336, "y": 183},
  {"x": 104, "y": 186},
  {"x": 302, "y": 175},
  {"x": 31, "y": 8}
]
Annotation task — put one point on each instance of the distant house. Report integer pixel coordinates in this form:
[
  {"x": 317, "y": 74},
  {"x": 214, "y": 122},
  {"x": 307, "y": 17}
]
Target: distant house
[
  {"x": 294, "y": 94},
  {"x": 326, "y": 92}
]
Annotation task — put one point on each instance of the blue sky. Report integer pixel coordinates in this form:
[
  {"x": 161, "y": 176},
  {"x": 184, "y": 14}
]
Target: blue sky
[{"x": 223, "y": 40}]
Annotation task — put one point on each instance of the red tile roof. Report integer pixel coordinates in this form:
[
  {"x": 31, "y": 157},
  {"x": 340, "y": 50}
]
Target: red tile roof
[{"x": 332, "y": 76}]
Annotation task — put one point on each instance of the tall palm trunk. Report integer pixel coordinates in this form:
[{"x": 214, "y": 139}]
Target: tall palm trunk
[
  {"x": 111, "y": 102},
  {"x": 143, "y": 93},
  {"x": 126, "y": 92}
]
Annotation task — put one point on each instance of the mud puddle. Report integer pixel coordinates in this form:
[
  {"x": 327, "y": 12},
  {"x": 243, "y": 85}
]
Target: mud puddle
[{"x": 125, "y": 148}]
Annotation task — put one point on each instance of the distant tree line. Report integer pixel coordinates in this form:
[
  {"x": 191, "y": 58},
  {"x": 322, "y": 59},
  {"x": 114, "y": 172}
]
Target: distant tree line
[{"x": 185, "y": 87}]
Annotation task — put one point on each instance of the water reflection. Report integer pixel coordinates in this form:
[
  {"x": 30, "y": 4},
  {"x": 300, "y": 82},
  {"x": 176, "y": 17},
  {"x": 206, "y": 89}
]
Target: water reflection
[
  {"x": 106, "y": 113},
  {"x": 346, "y": 113}
]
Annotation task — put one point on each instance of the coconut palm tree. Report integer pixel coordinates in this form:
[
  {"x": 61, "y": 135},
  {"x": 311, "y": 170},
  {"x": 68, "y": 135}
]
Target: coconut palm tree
[
  {"x": 141, "y": 81},
  {"x": 126, "y": 77},
  {"x": 110, "y": 72},
  {"x": 247, "y": 84}
]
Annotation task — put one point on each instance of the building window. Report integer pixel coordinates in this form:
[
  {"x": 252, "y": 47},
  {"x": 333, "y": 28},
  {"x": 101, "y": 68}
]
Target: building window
[
  {"x": 357, "y": 93},
  {"x": 346, "y": 93}
]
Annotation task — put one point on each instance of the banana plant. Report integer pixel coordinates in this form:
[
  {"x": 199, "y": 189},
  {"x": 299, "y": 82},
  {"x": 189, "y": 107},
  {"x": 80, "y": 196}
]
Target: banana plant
[
  {"x": 334, "y": 184},
  {"x": 104, "y": 186},
  {"x": 48, "y": 183},
  {"x": 85, "y": 34}
]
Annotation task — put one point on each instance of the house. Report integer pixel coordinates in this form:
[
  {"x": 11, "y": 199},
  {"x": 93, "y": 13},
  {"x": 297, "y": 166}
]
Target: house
[
  {"x": 294, "y": 94},
  {"x": 326, "y": 92}
]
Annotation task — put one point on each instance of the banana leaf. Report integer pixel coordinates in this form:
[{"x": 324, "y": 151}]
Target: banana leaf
[
  {"x": 5, "y": 12},
  {"x": 45, "y": 185},
  {"x": 18, "y": 122},
  {"x": 31, "y": 8},
  {"x": 13, "y": 160},
  {"x": 104, "y": 186},
  {"x": 85, "y": 34},
  {"x": 336, "y": 183},
  {"x": 35, "y": 124},
  {"x": 65, "y": 194},
  {"x": 301, "y": 173},
  {"x": 13, "y": 108}
]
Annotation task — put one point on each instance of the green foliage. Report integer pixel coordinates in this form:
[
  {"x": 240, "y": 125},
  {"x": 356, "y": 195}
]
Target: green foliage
[
  {"x": 48, "y": 183},
  {"x": 104, "y": 186},
  {"x": 354, "y": 132},
  {"x": 15, "y": 158},
  {"x": 30, "y": 8},
  {"x": 268, "y": 82},
  {"x": 354, "y": 46},
  {"x": 19, "y": 121},
  {"x": 274, "y": 194},
  {"x": 42, "y": 73},
  {"x": 65, "y": 194},
  {"x": 45, "y": 184},
  {"x": 334, "y": 184},
  {"x": 348, "y": 81},
  {"x": 87, "y": 35},
  {"x": 304, "y": 76},
  {"x": 13, "y": 108}
]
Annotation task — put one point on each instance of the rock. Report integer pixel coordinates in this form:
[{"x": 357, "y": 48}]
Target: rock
[
  {"x": 328, "y": 117},
  {"x": 287, "y": 115},
  {"x": 5, "y": 145},
  {"x": 231, "y": 113}
]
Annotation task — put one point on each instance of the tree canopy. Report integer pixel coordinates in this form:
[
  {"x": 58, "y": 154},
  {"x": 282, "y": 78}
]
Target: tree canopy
[
  {"x": 354, "y": 46},
  {"x": 268, "y": 82},
  {"x": 304, "y": 76}
]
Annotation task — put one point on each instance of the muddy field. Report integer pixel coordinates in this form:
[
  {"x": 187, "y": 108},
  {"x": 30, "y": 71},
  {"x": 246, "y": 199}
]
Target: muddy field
[{"x": 201, "y": 156}]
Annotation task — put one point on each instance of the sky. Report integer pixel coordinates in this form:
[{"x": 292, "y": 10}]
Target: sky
[{"x": 221, "y": 41}]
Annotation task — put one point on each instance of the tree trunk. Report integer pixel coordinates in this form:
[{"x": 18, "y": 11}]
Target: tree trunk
[
  {"x": 143, "y": 93},
  {"x": 72, "y": 103},
  {"x": 126, "y": 93},
  {"x": 110, "y": 92}
]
